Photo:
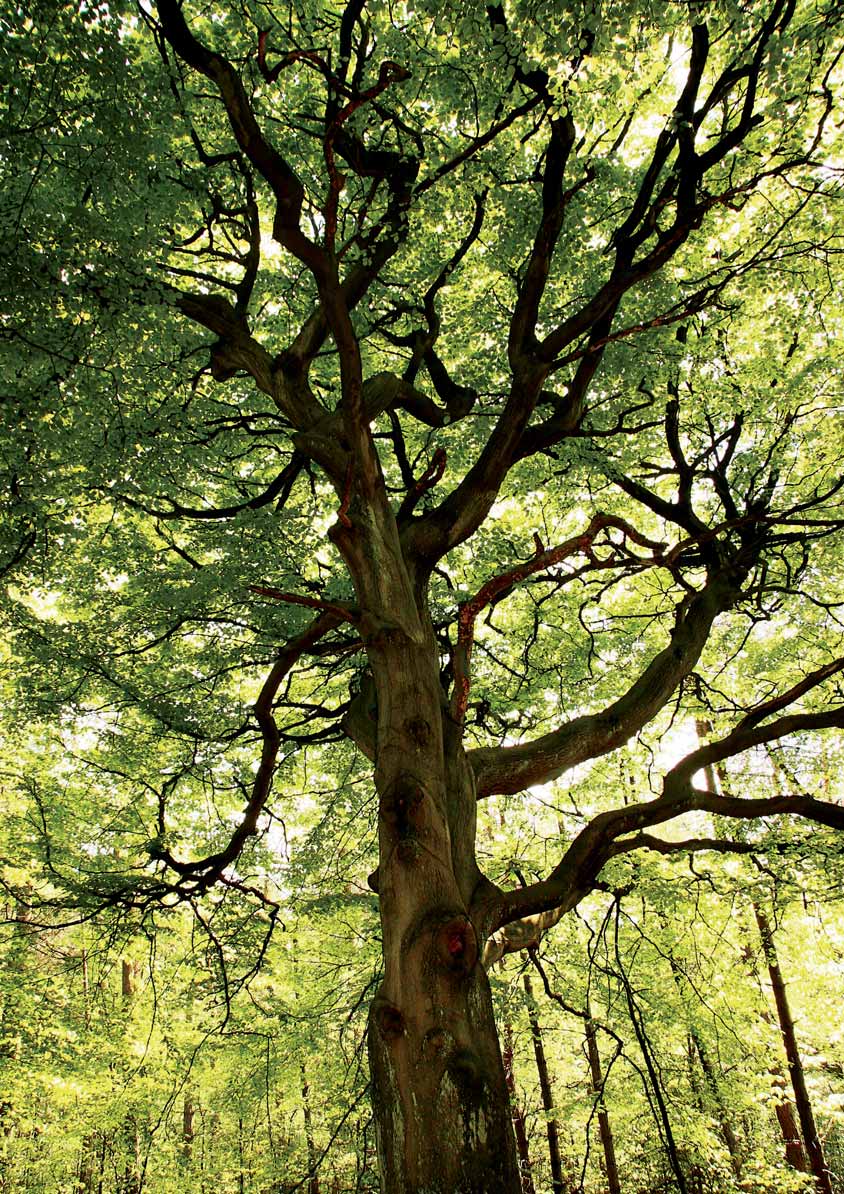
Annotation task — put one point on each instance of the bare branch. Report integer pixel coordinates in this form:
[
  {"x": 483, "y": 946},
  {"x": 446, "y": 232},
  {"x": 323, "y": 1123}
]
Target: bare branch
[
  {"x": 692, "y": 845},
  {"x": 339, "y": 610}
]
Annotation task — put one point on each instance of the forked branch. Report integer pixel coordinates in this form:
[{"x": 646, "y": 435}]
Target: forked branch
[
  {"x": 505, "y": 582},
  {"x": 524, "y": 914},
  {"x": 198, "y": 875}
]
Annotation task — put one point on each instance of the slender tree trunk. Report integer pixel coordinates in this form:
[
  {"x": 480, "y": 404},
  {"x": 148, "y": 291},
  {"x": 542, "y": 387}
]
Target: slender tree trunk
[
  {"x": 128, "y": 978},
  {"x": 706, "y": 1066},
  {"x": 557, "y": 1178},
  {"x": 188, "y": 1126},
  {"x": 129, "y": 971},
  {"x": 90, "y": 1163},
  {"x": 604, "y": 1128},
  {"x": 103, "y": 1156},
  {"x": 86, "y": 990},
  {"x": 17, "y": 963},
  {"x": 241, "y": 1173},
  {"x": 795, "y": 1154},
  {"x": 132, "y": 1145},
  {"x": 727, "y": 1133},
  {"x": 313, "y": 1175},
  {"x": 795, "y": 1065},
  {"x": 519, "y": 1126}
]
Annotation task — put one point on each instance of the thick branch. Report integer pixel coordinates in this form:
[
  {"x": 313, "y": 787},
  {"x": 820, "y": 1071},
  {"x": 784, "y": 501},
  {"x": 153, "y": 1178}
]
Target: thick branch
[
  {"x": 661, "y": 186},
  {"x": 237, "y": 349},
  {"x": 777, "y": 703},
  {"x": 528, "y": 912},
  {"x": 514, "y": 768},
  {"x": 286, "y": 187},
  {"x": 526, "y": 311},
  {"x": 748, "y": 735},
  {"x": 691, "y": 845},
  {"x": 339, "y": 610}
]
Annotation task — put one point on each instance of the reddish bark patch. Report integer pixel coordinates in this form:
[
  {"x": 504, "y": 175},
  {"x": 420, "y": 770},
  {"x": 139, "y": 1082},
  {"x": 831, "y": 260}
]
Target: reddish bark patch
[
  {"x": 455, "y": 942},
  {"x": 457, "y": 945}
]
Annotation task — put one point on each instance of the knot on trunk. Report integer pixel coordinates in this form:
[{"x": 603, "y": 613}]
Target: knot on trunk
[
  {"x": 419, "y": 731},
  {"x": 378, "y": 633},
  {"x": 434, "y": 1043},
  {"x": 408, "y": 851},
  {"x": 464, "y": 1069},
  {"x": 400, "y": 805},
  {"x": 389, "y": 1019}
]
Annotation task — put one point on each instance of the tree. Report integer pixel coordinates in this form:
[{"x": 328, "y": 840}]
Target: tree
[
  {"x": 443, "y": 365},
  {"x": 795, "y": 1064}
]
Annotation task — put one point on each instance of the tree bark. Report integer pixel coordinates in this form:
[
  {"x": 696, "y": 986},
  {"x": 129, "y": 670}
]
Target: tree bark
[
  {"x": 188, "y": 1126},
  {"x": 129, "y": 971},
  {"x": 313, "y": 1169},
  {"x": 795, "y": 1153},
  {"x": 604, "y": 1128},
  {"x": 519, "y": 1126},
  {"x": 557, "y": 1178},
  {"x": 440, "y": 1097},
  {"x": 795, "y": 1064},
  {"x": 439, "y": 1093}
]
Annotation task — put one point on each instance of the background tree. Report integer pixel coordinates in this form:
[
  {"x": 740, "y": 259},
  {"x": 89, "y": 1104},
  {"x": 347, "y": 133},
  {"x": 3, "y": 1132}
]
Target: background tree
[{"x": 426, "y": 379}]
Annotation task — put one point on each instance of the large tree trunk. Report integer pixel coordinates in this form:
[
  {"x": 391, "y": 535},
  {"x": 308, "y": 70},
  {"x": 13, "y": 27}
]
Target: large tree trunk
[
  {"x": 439, "y": 1091},
  {"x": 439, "y": 1094}
]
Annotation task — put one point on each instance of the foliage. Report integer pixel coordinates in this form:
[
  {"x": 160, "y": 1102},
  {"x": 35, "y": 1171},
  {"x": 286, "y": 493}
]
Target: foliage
[{"x": 475, "y": 363}]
